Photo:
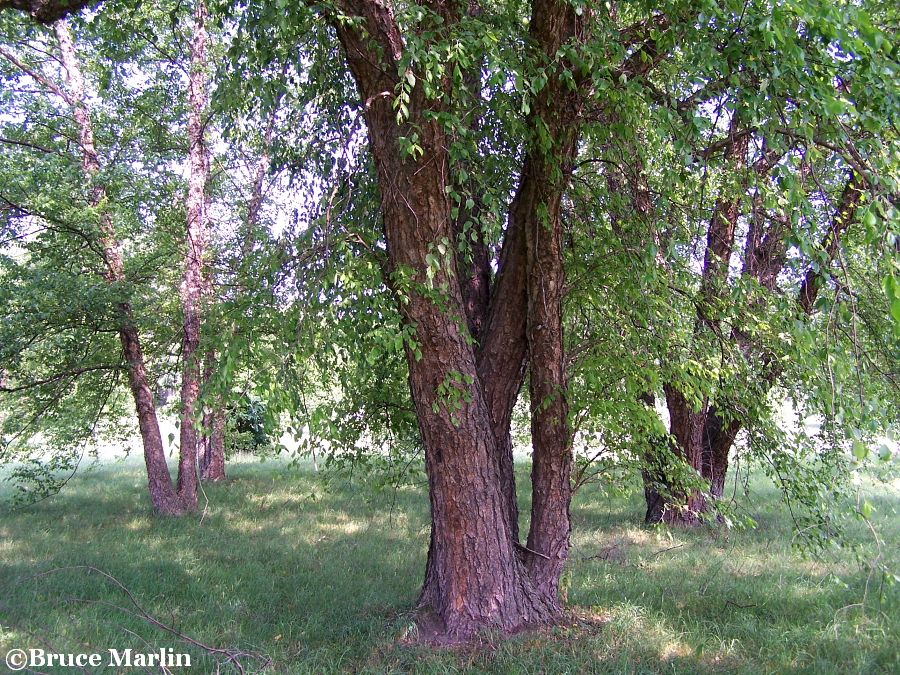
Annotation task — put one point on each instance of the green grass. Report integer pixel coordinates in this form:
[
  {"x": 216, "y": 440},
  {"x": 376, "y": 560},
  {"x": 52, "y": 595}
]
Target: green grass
[{"x": 323, "y": 581}]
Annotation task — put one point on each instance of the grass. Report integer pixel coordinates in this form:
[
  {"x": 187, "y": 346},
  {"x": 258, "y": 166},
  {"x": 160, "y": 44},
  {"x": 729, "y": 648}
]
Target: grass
[{"x": 323, "y": 581}]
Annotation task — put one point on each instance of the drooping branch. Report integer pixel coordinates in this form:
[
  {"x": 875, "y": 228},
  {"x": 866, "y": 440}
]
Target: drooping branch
[
  {"x": 38, "y": 77},
  {"x": 56, "y": 377},
  {"x": 817, "y": 275}
]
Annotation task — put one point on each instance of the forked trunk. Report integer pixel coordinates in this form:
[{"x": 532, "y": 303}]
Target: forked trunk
[
  {"x": 501, "y": 355},
  {"x": 475, "y": 579}
]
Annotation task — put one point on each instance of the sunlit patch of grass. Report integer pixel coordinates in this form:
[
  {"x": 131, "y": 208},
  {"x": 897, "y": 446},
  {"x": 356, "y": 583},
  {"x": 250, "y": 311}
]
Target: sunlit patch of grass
[{"x": 324, "y": 580}]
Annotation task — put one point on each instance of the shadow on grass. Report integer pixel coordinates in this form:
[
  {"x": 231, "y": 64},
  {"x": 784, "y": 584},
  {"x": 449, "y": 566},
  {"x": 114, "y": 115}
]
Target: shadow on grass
[{"x": 325, "y": 581}]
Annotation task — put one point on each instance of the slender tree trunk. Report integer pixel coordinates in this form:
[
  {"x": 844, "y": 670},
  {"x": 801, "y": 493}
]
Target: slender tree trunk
[
  {"x": 215, "y": 420},
  {"x": 211, "y": 447},
  {"x": 212, "y": 463},
  {"x": 555, "y": 109},
  {"x": 548, "y": 536},
  {"x": 162, "y": 493},
  {"x": 193, "y": 281}
]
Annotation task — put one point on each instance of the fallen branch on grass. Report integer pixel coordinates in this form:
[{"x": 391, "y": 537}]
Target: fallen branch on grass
[{"x": 231, "y": 655}]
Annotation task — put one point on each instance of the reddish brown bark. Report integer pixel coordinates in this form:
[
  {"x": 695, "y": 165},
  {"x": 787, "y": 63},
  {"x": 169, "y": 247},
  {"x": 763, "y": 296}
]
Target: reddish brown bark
[
  {"x": 556, "y": 108},
  {"x": 162, "y": 493},
  {"x": 193, "y": 280},
  {"x": 474, "y": 578},
  {"x": 501, "y": 354},
  {"x": 718, "y": 439}
]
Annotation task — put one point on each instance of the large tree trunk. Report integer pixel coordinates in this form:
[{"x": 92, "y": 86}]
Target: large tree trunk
[
  {"x": 162, "y": 493},
  {"x": 686, "y": 426},
  {"x": 475, "y": 579},
  {"x": 193, "y": 281}
]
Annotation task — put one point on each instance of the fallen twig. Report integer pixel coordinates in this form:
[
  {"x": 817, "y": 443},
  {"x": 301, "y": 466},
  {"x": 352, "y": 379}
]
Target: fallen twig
[
  {"x": 665, "y": 550},
  {"x": 231, "y": 655}
]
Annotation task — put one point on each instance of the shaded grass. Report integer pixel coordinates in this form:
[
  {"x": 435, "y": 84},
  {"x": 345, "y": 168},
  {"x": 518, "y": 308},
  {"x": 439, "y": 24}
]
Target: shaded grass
[{"x": 324, "y": 582}]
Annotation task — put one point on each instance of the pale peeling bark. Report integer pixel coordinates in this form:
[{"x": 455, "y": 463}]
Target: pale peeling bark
[
  {"x": 162, "y": 493},
  {"x": 193, "y": 280}
]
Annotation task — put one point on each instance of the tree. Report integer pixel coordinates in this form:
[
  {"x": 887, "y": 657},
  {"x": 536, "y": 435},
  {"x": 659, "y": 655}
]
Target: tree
[
  {"x": 560, "y": 196},
  {"x": 193, "y": 282},
  {"x": 102, "y": 205}
]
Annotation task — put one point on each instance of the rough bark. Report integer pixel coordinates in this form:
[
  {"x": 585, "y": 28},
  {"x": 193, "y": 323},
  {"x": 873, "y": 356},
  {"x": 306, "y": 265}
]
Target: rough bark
[
  {"x": 686, "y": 425},
  {"x": 718, "y": 439},
  {"x": 162, "y": 493},
  {"x": 501, "y": 354},
  {"x": 193, "y": 280},
  {"x": 556, "y": 107},
  {"x": 474, "y": 579}
]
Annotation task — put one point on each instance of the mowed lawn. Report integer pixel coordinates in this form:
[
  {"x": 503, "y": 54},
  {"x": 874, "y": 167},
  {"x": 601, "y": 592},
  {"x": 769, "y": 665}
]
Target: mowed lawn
[{"x": 320, "y": 580}]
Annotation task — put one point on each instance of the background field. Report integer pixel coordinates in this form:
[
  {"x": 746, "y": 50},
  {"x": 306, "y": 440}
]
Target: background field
[{"x": 324, "y": 581}]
